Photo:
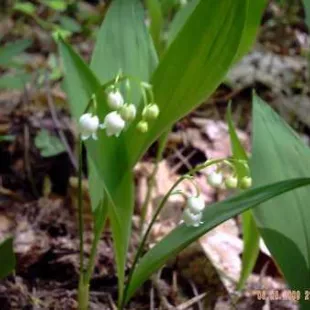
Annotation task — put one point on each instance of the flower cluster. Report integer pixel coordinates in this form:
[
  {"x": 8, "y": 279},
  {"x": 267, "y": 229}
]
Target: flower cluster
[
  {"x": 216, "y": 179},
  {"x": 193, "y": 212},
  {"x": 122, "y": 113}
]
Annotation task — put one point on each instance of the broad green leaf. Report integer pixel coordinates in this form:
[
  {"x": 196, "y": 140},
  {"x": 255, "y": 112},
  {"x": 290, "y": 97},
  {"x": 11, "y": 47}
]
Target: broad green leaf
[
  {"x": 180, "y": 19},
  {"x": 189, "y": 73},
  {"x": 7, "y": 258},
  {"x": 80, "y": 84},
  {"x": 168, "y": 5},
  {"x": 17, "y": 81},
  {"x": 7, "y": 138},
  {"x": 25, "y": 7},
  {"x": 307, "y": 10},
  {"x": 96, "y": 185},
  {"x": 250, "y": 236},
  {"x": 156, "y": 23},
  {"x": 49, "y": 145},
  {"x": 279, "y": 154},
  {"x": 57, "y": 5},
  {"x": 238, "y": 150},
  {"x": 254, "y": 16},
  {"x": 249, "y": 229},
  {"x": 10, "y": 50},
  {"x": 70, "y": 24},
  {"x": 213, "y": 215},
  {"x": 123, "y": 43}
]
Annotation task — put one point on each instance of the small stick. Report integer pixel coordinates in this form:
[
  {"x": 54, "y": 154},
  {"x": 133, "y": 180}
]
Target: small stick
[
  {"x": 26, "y": 133},
  {"x": 57, "y": 124},
  {"x": 191, "y": 302}
]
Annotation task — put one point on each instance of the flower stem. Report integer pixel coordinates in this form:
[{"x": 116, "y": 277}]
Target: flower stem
[
  {"x": 189, "y": 175},
  {"x": 142, "y": 243},
  {"x": 83, "y": 294},
  {"x": 100, "y": 216},
  {"x": 81, "y": 291},
  {"x": 151, "y": 182}
]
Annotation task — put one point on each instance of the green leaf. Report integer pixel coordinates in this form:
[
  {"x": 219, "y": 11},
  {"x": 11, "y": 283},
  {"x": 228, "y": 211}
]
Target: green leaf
[
  {"x": 7, "y": 138},
  {"x": 249, "y": 229},
  {"x": 279, "y": 154},
  {"x": 254, "y": 15},
  {"x": 25, "y": 7},
  {"x": 70, "y": 24},
  {"x": 7, "y": 258},
  {"x": 96, "y": 185},
  {"x": 18, "y": 81},
  {"x": 10, "y": 50},
  {"x": 80, "y": 82},
  {"x": 189, "y": 73},
  {"x": 250, "y": 235},
  {"x": 168, "y": 5},
  {"x": 123, "y": 43},
  {"x": 156, "y": 23},
  {"x": 48, "y": 144},
  {"x": 307, "y": 10},
  {"x": 180, "y": 19},
  {"x": 238, "y": 150},
  {"x": 213, "y": 215},
  {"x": 57, "y": 5}
]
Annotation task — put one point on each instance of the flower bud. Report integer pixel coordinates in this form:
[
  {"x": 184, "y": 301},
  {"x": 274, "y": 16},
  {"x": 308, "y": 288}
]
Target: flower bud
[
  {"x": 143, "y": 126},
  {"x": 88, "y": 126},
  {"x": 215, "y": 179},
  {"x": 191, "y": 219},
  {"x": 113, "y": 123},
  {"x": 231, "y": 182},
  {"x": 128, "y": 112},
  {"x": 115, "y": 99},
  {"x": 195, "y": 204},
  {"x": 150, "y": 112},
  {"x": 246, "y": 182}
]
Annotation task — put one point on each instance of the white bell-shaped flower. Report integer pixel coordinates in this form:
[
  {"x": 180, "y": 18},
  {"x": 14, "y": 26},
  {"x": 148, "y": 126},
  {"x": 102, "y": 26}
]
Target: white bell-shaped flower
[
  {"x": 246, "y": 182},
  {"x": 113, "y": 123},
  {"x": 195, "y": 204},
  {"x": 115, "y": 99},
  {"x": 191, "y": 219},
  {"x": 215, "y": 179},
  {"x": 150, "y": 112},
  {"x": 128, "y": 112},
  {"x": 89, "y": 125},
  {"x": 143, "y": 126},
  {"x": 231, "y": 182}
]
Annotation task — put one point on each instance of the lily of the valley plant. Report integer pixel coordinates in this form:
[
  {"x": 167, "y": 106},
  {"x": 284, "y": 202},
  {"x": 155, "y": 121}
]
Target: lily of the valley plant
[{"x": 135, "y": 88}]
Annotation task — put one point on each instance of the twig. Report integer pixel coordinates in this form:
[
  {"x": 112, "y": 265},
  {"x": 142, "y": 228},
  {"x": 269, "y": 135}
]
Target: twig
[
  {"x": 28, "y": 169},
  {"x": 111, "y": 302},
  {"x": 163, "y": 299},
  {"x": 183, "y": 161},
  {"x": 57, "y": 124},
  {"x": 152, "y": 298},
  {"x": 191, "y": 302},
  {"x": 195, "y": 291}
]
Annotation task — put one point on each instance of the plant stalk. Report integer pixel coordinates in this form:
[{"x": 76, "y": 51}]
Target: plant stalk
[
  {"x": 83, "y": 293},
  {"x": 151, "y": 182},
  {"x": 143, "y": 241},
  {"x": 159, "y": 208},
  {"x": 83, "y": 290}
]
